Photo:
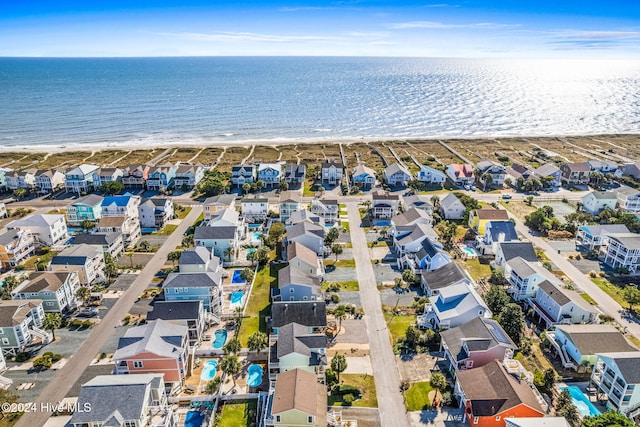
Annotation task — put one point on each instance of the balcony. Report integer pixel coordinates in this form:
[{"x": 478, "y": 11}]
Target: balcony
[{"x": 121, "y": 368}]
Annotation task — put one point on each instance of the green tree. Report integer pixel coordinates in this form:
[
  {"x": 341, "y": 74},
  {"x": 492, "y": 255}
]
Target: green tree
[
  {"x": 9, "y": 284},
  {"x": 439, "y": 382},
  {"x": 145, "y": 245},
  {"x": 232, "y": 346},
  {"x": 87, "y": 225},
  {"x": 332, "y": 236},
  {"x": 548, "y": 380},
  {"x": 565, "y": 408},
  {"x": 246, "y": 187},
  {"x": 258, "y": 341},
  {"x": 213, "y": 385},
  {"x": 284, "y": 185},
  {"x": 631, "y": 295},
  {"x": 51, "y": 322},
  {"x": 262, "y": 256},
  {"x": 230, "y": 365},
  {"x": 276, "y": 234},
  {"x": 496, "y": 299},
  {"x": 435, "y": 202},
  {"x": 228, "y": 253},
  {"x": 411, "y": 337},
  {"x": 529, "y": 200},
  {"x": 512, "y": 321},
  {"x": 174, "y": 256},
  {"x": 213, "y": 183},
  {"x": 336, "y": 249},
  {"x": 187, "y": 240},
  {"x": 340, "y": 313},
  {"x": 608, "y": 419},
  {"x": 338, "y": 364},
  {"x": 20, "y": 193},
  {"x": 260, "y": 184},
  {"x": 487, "y": 179},
  {"x": 111, "y": 187},
  {"x": 83, "y": 293},
  {"x": 110, "y": 268},
  {"x": 247, "y": 275},
  {"x": 409, "y": 277}
]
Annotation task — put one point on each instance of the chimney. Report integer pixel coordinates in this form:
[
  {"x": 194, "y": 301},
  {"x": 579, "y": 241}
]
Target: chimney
[
  {"x": 314, "y": 307},
  {"x": 501, "y": 237}
]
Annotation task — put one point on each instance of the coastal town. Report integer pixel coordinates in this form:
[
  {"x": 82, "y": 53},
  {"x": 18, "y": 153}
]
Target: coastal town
[{"x": 404, "y": 283}]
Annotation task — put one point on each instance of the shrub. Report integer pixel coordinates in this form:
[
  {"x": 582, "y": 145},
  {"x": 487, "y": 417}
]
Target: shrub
[
  {"x": 335, "y": 298},
  {"x": 348, "y": 399},
  {"x": 578, "y": 257},
  {"x": 23, "y": 356},
  {"x": 56, "y": 357},
  {"x": 592, "y": 274},
  {"x": 344, "y": 389},
  {"x": 332, "y": 378},
  {"x": 42, "y": 362},
  {"x": 76, "y": 323},
  {"x": 570, "y": 256}
]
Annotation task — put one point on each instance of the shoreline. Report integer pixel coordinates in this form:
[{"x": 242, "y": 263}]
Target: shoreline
[{"x": 96, "y": 147}]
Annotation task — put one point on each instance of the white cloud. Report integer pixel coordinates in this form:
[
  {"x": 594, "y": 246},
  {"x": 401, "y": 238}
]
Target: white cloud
[
  {"x": 246, "y": 36},
  {"x": 433, "y": 25}
]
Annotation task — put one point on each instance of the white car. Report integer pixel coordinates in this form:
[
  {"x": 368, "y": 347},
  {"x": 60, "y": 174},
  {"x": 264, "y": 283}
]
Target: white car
[{"x": 467, "y": 187}]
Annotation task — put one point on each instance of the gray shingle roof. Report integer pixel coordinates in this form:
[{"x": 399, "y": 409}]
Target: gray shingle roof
[
  {"x": 629, "y": 364},
  {"x": 298, "y": 250},
  {"x": 524, "y": 250},
  {"x": 604, "y": 195},
  {"x": 479, "y": 334},
  {"x": 89, "y": 199},
  {"x": 592, "y": 339},
  {"x": 449, "y": 201},
  {"x": 158, "y": 337},
  {"x": 222, "y": 199},
  {"x": 305, "y": 227},
  {"x": 605, "y": 229},
  {"x": 205, "y": 232},
  {"x": 175, "y": 310},
  {"x": 102, "y": 239},
  {"x": 295, "y": 338},
  {"x": 444, "y": 276},
  {"x": 628, "y": 240},
  {"x": 410, "y": 216},
  {"x": 305, "y": 313},
  {"x": 43, "y": 280},
  {"x": 193, "y": 280},
  {"x": 288, "y": 276},
  {"x": 198, "y": 256},
  {"x": 76, "y": 255}
]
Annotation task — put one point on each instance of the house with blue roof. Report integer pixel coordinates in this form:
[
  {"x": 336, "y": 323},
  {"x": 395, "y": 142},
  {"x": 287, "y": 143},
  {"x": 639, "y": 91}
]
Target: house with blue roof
[
  {"x": 496, "y": 232},
  {"x": 596, "y": 236},
  {"x": 161, "y": 177},
  {"x": 126, "y": 207},
  {"x": 87, "y": 208}
]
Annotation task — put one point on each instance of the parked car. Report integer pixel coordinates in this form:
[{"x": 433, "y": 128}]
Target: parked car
[
  {"x": 473, "y": 188},
  {"x": 506, "y": 196},
  {"x": 88, "y": 312},
  {"x": 467, "y": 187}
]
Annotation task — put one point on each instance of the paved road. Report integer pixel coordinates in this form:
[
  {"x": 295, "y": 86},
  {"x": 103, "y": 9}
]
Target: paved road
[
  {"x": 605, "y": 303},
  {"x": 385, "y": 371},
  {"x": 66, "y": 377}
]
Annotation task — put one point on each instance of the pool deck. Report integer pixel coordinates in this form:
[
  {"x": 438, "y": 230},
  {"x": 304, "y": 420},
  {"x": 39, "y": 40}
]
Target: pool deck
[{"x": 589, "y": 395}]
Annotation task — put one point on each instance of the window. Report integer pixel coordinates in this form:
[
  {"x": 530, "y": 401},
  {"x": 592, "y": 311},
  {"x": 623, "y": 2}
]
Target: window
[
  {"x": 310, "y": 419},
  {"x": 498, "y": 418},
  {"x": 277, "y": 418},
  {"x": 291, "y": 290},
  {"x": 476, "y": 419},
  {"x": 137, "y": 364},
  {"x": 5, "y": 341}
]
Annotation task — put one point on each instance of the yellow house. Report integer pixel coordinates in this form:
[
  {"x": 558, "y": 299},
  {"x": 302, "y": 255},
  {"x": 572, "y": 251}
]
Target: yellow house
[
  {"x": 479, "y": 218},
  {"x": 299, "y": 400},
  {"x": 15, "y": 247}
]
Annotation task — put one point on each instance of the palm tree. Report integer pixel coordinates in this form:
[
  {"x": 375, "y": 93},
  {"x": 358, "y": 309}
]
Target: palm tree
[
  {"x": 212, "y": 386},
  {"x": 487, "y": 178},
  {"x": 145, "y": 245},
  {"x": 51, "y": 322},
  {"x": 340, "y": 313},
  {"x": 174, "y": 256},
  {"x": 336, "y": 249},
  {"x": 20, "y": 193},
  {"x": 258, "y": 341},
  {"x": 83, "y": 293},
  {"x": 233, "y": 346},
  {"x": 230, "y": 366},
  {"x": 246, "y": 187},
  {"x": 260, "y": 184},
  {"x": 439, "y": 382},
  {"x": 228, "y": 253}
]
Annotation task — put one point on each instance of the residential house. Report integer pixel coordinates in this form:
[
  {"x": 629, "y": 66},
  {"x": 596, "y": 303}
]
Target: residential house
[
  {"x": 575, "y": 173},
  {"x": 255, "y": 208},
  {"x": 384, "y": 205},
  {"x": 309, "y": 235},
  {"x": 49, "y": 229},
  {"x": 304, "y": 259},
  {"x": 86, "y": 260},
  {"x": 419, "y": 202},
  {"x": 409, "y": 238},
  {"x": 617, "y": 378},
  {"x": 597, "y": 236},
  {"x": 243, "y": 174},
  {"x": 198, "y": 260},
  {"x": 112, "y": 224},
  {"x": 135, "y": 176},
  {"x": 628, "y": 199},
  {"x": 20, "y": 323},
  {"x": 15, "y": 247},
  {"x": 48, "y": 181},
  {"x": 3, "y": 178},
  {"x": 179, "y": 312},
  {"x": 104, "y": 175},
  {"x": 623, "y": 251},
  {"x": 431, "y": 176},
  {"x": 555, "y": 304},
  {"x": 516, "y": 171},
  {"x": 479, "y": 218},
  {"x": 461, "y": 174},
  {"x": 109, "y": 243},
  {"x": 331, "y": 172},
  {"x": 298, "y": 399},
  {"x": 509, "y": 250},
  {"x": 221, "y": 241},
  {"x": 396, "y": 174},
  {"x": 492, "y": 174},
  {"x": 212, "y": 206},
  {"x": 288, "y": 203},
  {"x": 455, "y": 304},
  {"x": 429, "y": 256},
  {"x": 363, "y": 176},
  {"x": 603, "y": 166},
  {"x": 157, "y": 347},
  {"x": 124, "y": 206},
  {"x": 409, "y": 217},
  {"x": 296, "y": 348},
  {"x": 187, "y": 176},
  {"x": 632, "y": 170},
  {"x": 549, "y": 173},
  {"x": 124, "y": 400},
  {"x": 294, "y": 174},
  {"x": 451, "y": 207},
  {"x": 597, "y": 201},
  {"x": 303, "y": 215},
  {"x": 229, "y": 218},
  {"x": 80, "y": 179},
  {"x": 21, "y": 179},
  {"x": 476, "y": 343},
  {"x": 296, "y": 285},
  {"x": 327, "y": 209},
  {"x": 270, "y": 173},
  {"x": 310, "y": 314},
  {"x": 154, "y": 212},
  {"x": 206, "y": 287},
  {"x": 579, "y": 345},
  {"x": 85, "y": 208},
  {"x": 3, "y": 210},
  {"x": 523, "y": 278},
  {"x": 490, "y": 394},
  {"x": 496, "y": 232},
  {"x": 161, "y": 178},
  {"x": 537, "y": 422},
  {"x": 56, "y": 290},
  {"x": 433, "y": 281}
]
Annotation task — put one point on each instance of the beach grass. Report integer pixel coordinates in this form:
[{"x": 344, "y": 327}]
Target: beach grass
[
  {"x": 182, "y": 154},
  {"x": 232, "y": 156},
  {"x": 208, "y": 156},
  {"x": 135, "y": 157},
  {"x": 612, "y": 290}
]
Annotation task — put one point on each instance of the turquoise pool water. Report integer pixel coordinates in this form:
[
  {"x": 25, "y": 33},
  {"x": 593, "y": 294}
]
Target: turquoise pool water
[
  {"x": 470, "y": 251},
  {"x": 209, "y": 370},
  {"x": 220, "y": 338},
  {"x": 250, "y": 251},
  {"x": 255, "y": 237},
  {"x": 237, "y": 279},
  {"x": 194, "y": 419},
  {"x": 255, "y": 375},
  {"x": 237, "y": 298},
  {"x": 583, "y": 405}
]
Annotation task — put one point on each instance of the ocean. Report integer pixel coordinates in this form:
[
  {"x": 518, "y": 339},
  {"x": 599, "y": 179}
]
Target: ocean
[{"x": 213, "y": 100}]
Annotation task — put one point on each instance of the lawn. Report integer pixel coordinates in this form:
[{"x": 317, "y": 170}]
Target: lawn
[
  {"x": 417, "y": 397},
  {"x": 397, "y": 325},
  {"x": 345, "y": 225},
  {"x": 182, "y": 213},
  {"x": 30, "y": 263},
  {"x": 238, "y": 414},
  {"x": 367, "y": 386},
  {"x": 476, "y": 269},
  {"x": 612, "y": 290},
  {"x": 167, "y": 230},
  {"x": 588, "y": 298},
  {"x": 351, "y": 263},
  {"x": 10, "y": 420},
  {"x": 517, "y": 207},
  {"x": 344, "y": 286}
]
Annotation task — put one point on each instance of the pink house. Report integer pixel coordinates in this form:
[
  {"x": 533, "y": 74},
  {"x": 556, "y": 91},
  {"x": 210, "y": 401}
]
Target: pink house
[{"x": 158, "y": 347}]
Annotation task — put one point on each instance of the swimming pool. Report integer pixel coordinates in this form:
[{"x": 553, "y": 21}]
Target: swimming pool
[
  {"x": 469, "y": 251},
  {"x": 237, "y": 298},
  {"x": 209, "y": 370},
  {"x": 255, "y": 237},
  {"x": 148, "y": 230},
  {"x": 220, "y": 338},
  {"x": 255, "y": 375},
  {"x": 254, "y": 226},
  {"x": 194, "y": 419},
  {"x": 237, "y": 279},
  {"x": 583, "y": 405}
]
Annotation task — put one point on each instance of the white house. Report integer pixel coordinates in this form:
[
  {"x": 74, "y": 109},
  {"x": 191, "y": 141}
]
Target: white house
[
  {"x": 508, "y": 250},
  {"x": 418, "y": 201},
  {"x": 555, "y": 304},
  {"x": 433, "y": 281},
  {"x": 331, "y": 172},
  {"x": 550, "y": 172},
  {"x": 327, "y": 209},
  {"x": 451, "y": 207},
  {"x": 48, "y": 181},
  {"x": 15, "y": 247},
  {"x": 154, "y": 212},
  {"x": 86, "y": 260},
  {"x": 628, "y": 199},
  {"x": 289, "y": 203},
  {"x": 429, "y": 175},
  {"x": 596, "y": 236},
  {"x": 524, "y": 277},
  {"x": 57, "y": 290},
  {"x": 270, "y": 173},
  {"x": 495, "y": 171},
  {"x": 104, "y": 175},
  {"x": 297, "y": 348},
  {"x": 396, "y": 174},
  {"x": 461, "y": 174},
  {"x": 3, "y": 210},
  {"x": 304, "y": 259},
  {"x": 214, "y": 205},
  {"x": 110, "y": 243},
  {"x": 80, "y": 179},
  {"x": 616, "y": 375},
  {"x": 124, "y": 206},
  {"x": 603, "y": 166},
  {"x": 49, "y": 229},
  {"x": 254, "y": 207},
  {"x": 20, "y": 179},
  {"x": 384, "y": 204},
  {"x": 597, "y": 201},
  {"x": 188, "y": 176},
  {"x": 623, "y": 251},
  {"x": 455, "y": 305},
  {"x": 294, "y": 173}
]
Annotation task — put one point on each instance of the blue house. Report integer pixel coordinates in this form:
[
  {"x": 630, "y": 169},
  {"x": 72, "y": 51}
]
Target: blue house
[
  {"x": 363, "y": 176},
  {"x": 221, "y": 241},
  {"x": 205, "y": 287},
  {"x": 270, "y": 173},
  {"x": 85, "y": 208},
  {"x": 161, "y": 177}
]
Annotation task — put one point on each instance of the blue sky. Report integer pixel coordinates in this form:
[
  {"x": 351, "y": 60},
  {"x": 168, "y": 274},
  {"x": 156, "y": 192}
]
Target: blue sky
[{"x": 546, "y": 29}]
